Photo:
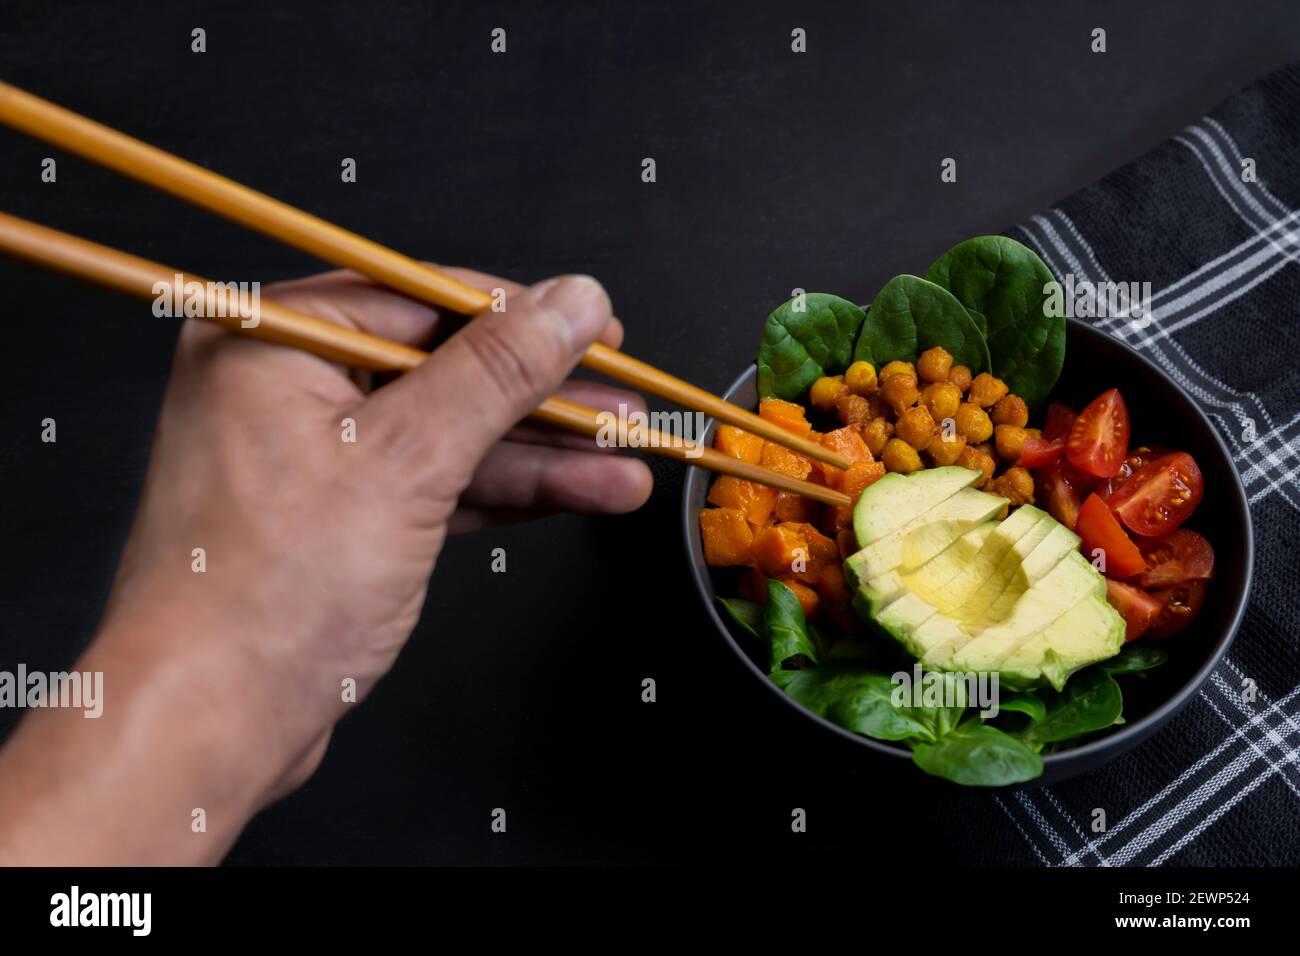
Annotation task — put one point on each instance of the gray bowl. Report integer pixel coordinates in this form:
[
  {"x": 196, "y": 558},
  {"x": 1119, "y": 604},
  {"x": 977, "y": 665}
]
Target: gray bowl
[{"x": 1162, "y": 414}]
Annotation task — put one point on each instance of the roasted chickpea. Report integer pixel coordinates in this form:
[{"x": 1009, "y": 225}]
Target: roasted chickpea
[
  {"x": 1011, "y": 410},
  {"x": 976, "y": 460},
  {"x": 942, "y": 398},
  {"x": 973, "y": 423},
  {"x": 900, "y": 392},
  {"x": 934, "y": 365},
  {"x": 853, "y": 409},
  {"x": 1017, "y": 486},
  {"x": 959, "y": 375},
  {"x": 861, "y": 378},
  {"x": 876, "y": 433},
  {"x": 986, "y": 390},
  {"x": 901, "y": 457},
  {"x": 915, "y": 426},
  {"x": 897, "y": 368},
  {"x": 1008, "y": 439},
  {"x": 879, "y": 407},
  {"x": 987, "y": 448},
  {"x": 1034, "y": 433},
  {"x": 945, "y": 451},
  {"x": 826, "y": 391}
]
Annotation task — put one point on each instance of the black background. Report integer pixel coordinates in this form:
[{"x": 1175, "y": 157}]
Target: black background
[{"x": 775, "y": 171}]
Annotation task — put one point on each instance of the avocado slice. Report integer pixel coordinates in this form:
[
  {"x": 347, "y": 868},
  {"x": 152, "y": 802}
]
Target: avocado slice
[
  {"x": 1090, "y": 631},
  {"x": 1055, "y": 594},
  {"x": 952, "y": 594},
  {"x": 1031, "y": 558},
  {"x": 1012, "y": 596},
  {"x": 924, "y": 536},
  {"x": 890, "y": 503}
]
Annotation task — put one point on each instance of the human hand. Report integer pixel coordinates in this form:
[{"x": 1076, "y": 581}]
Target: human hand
[{"x": 317, "y": 551}]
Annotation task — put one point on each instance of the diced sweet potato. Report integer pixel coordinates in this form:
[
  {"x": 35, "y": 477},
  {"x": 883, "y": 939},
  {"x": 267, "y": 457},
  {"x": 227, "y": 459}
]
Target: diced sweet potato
[
  {"x": 836, "y": 599},
  {"x": 755, "y": 500},
  {"x": 847, "y": 542},
  {"x": 836, "y": 519},
  {"x": 848, "y": 442},
  {"x": 859, "y": 476},
  {"x": 808, "y": 599},
  {"x": 786, "y": 414},
  {"x": 821, "y": 549},
  {"x": 785, "y": 462},
  {"x": 792, "y": 507},
  {"x": 727, "y": 536},
  {"x": 777, "y": 549},
  {"x": 738, "y": 443},
  {"x": 753, "y": 584}
]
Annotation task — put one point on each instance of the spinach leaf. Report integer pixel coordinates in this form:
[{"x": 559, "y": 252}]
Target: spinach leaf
[
  {"x": 932, "y": 713},
  {"x": 1029, "y": 704},
  {"x": 748, "y": 614},
  {"x": 1004, "y": 285},
  {"x": 1134, "y": 658},
  {"x": 799, "y": 346},
  {"x": 910, "y": 315},
  {"x": 855, "y": 698},
  {"x": 1091, "y": 701},
  {"x": 787, "y": 632},
  {"x": 978, "y": 755}
]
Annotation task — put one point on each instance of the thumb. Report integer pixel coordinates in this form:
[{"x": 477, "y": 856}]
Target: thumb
[{"x": 449, "y": 411}]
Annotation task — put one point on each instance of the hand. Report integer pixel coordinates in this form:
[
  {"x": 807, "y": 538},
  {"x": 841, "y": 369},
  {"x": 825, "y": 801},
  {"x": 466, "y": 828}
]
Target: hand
[{"x": 317, "y": 550}]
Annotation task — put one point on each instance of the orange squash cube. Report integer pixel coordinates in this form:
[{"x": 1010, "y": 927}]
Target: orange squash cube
[
  {"x": 792, "y": 507},
  {"x": 778, "y": 549},
  {"x": 738, "y": 443},
  {"x": 848, "y": 442},
  {"x": 836, "y": 600},
  {"x": 860, "y": 475},
  {"x": 847, "y": 542},
  {"x": 755, "y": 500},
  {"x": 753, "y": 584},
  {"x": 836, "y": 519},
  {"x": 808, "y": 599},
  {"x": 785, "y": 462},
  {"x": 788, "y": 415},
  {"x": 727, "y": 536},
  {"x": 821, "y": 549}
]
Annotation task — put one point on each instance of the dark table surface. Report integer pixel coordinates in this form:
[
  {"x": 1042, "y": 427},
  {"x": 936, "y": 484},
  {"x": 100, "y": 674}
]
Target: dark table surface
[{"x": 821, "y": 171}]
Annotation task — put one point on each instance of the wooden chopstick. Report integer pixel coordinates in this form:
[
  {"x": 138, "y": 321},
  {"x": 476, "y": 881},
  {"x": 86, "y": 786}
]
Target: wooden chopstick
[
  {"x": 131, "y": 157},
  {"x": 139, "y": 277}
]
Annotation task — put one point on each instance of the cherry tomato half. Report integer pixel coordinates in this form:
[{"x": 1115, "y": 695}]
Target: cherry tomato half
[
  {"x": 1059, "y": 419},
  {"x": 1181, "y": 605},
  {"x": 1036, "y": 452},
  {"x": 1060, "y": 494},
  {"x": 1099, "y": 529},
  {"x": 1179, "y": 556},
  {"x": 1159, "y": 496},
  {"x": 1098, "y": 439},
  {"x": 1139, "y": 609},
  {"x": 1135, "y": 459}
]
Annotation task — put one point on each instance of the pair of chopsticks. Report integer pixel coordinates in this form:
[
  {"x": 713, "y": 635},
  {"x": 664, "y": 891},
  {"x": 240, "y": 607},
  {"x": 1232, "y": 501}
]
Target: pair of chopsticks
[{"x": 135, "y": 276}]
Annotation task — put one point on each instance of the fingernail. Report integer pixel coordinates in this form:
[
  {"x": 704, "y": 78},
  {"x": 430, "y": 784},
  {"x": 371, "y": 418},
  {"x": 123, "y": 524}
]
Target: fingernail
[{"x": 582, "y": 302}]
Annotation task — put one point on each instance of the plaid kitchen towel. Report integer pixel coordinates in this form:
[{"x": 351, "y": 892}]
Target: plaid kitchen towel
[{"x": 1212, "y": 219}]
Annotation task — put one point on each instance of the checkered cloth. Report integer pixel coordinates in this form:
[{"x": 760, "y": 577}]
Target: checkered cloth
[{"x": 1223, "y": 255}]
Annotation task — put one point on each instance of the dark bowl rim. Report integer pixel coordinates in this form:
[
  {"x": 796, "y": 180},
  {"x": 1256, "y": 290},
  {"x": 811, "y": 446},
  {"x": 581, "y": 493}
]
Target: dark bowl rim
[{"x": 1053, "y": 764}]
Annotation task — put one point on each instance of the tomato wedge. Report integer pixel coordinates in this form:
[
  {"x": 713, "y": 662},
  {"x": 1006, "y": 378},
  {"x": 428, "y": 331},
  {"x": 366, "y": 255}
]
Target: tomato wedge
[
  {"x": 1136, "y": 458},
  {"x": 1181, "y": 605},
  {"x": 1159, "y": 496},
  {"x": 1179, "y": 556},
  {"x": 1139, "y": 609},
  {"x": 1099, "y": 529},
  {"x": 1060, "y": 494},
  {"x": 1036, "y": 452},
  {"x": 1098, "y": 439},
  {"x": 1059, "y": 420}
]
